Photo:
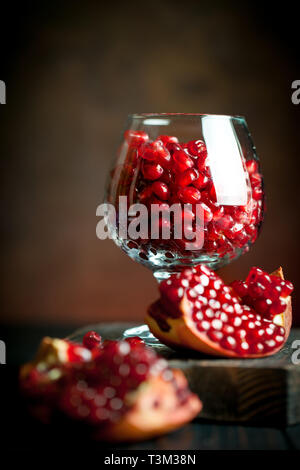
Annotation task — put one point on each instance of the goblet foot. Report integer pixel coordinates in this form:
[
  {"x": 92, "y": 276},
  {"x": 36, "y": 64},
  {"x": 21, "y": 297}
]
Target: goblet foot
[{"x": 143, "y": 332}]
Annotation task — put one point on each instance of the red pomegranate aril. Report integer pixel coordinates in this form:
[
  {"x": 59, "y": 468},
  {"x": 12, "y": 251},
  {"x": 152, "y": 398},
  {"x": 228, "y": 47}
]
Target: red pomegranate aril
[
  {"x": 202, "y": 181},
  {"x": 218, "y": 211},
  {"x": 152, "y": 171},
  {"x": 189, "y": 195},
  {"x": 225, "y": 223},
  {"x": 197, "y": 148},
  {"x": 256, "y": 290},
  {"x": 240, "y": 215},
  {"x": 91, "y": 340},
  {"x": 256, "y": 179},
  {"x": 161, "y": 190},
  {"x": 182, "y": 160},
  {"x": 134, "y": 341},
  {"x": 202, "y": 164},
  {"x": 240, "y": 334},
  {"x": 187, "y": 177},
  {"x": 286, "y": 288},
  {"x": 252, "y": 166},
  {"x": 135, "y": 138},
  {"x": 145, "y": 194},
  {"x": 243, "y": 348},
  {"x": 240, "y": 287},
  {"x": 228, "y": 329},
  {"x": 257, "y": 193},
  {"x": 207, "y": 213},
  {"x": 168, "y": 139},
  {"x": 155, "y": 152},
  {"x": 276, "y": 308},
  {"x": 215, "y": 335},
  {"x": 228, "y": 343}
]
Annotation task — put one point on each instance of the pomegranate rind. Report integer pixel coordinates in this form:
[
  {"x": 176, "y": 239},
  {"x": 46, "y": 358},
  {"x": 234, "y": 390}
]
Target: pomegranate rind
[
  {"x": 182, "y": 332},
  {"x": 160, "y": 404},
  {"x": 284, "y": 319},
  {"x": 143, "y": 421}
]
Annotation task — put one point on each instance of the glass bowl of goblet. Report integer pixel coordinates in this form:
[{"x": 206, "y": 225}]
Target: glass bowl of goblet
[{"x": 185, "y": 189}]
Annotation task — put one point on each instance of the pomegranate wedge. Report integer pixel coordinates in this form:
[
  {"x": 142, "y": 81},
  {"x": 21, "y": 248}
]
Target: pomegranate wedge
[
  {"x": 120, "y": 390},
  {"x": 197, "y": 310}
]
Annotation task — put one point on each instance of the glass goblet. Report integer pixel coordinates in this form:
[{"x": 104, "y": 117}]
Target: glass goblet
[{"x": 205, "y": 165}]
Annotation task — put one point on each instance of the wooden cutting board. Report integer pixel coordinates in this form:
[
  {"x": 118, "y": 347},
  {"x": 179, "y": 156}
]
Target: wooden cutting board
[{"x": 263, "y": 390}]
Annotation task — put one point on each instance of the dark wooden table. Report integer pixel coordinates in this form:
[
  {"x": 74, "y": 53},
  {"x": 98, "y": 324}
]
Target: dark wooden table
[{"x": 22, "y": 433}]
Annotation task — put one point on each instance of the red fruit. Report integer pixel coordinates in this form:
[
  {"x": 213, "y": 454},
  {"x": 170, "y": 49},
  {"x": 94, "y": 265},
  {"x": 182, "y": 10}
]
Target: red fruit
[
  {"x": 182, "y": 161},
  {"x": 126, "y": 393},
  {"x": 91, "y": 340},
  {"x": 225, "y": 222},
  {"x": 267, "y": 293},
  {"x": 168, "y": 139},
  {"x": 189, "y": 195},
  {"x": 207, "y": 213},
  {"x": 202, "y": 163},
  {"x": 197, "y": 310},
  {"x": 202, "y": 181},
  {"x": 173, "y": 147},
  {"x": 187, "y": 177},
  {"x": 155, "y": 152},
  {"x": 197, "y": 148},
  {"x": 134, "y": 340},
  {"x": 181, "y": 174},
  {"x": 135, "y": 138},
  {"x": 145, "y": 194},
  {"x": 152, "y": 171},
  {"x": 252, "y": 166},
  {"x": 240, "y": 287},
  {"x": 161, "y": 190}
]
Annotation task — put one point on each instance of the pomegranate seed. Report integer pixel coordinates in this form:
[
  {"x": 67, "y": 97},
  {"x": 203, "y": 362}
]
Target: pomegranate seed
[
  {"x": 225, "y": 223},
  {"x": 202, "y": 163},
  {"x": 134, "y": 341},
  {"x": 228, "y": 343},
  {"x": 152, "y": 171},
  {"x": 252, "y": 166},
  {"x": 215, "y": 335},
  {"x": 197, "y": 148},
  {"x": 202, "y": 181},
  {"x": 168, "y": 139},
  {"x": 189, "y": 195},
  {"x": 161, "y": 190},
  {"x": 207, "y": 213},
  {"x": 135, "y": 138},
  {"x": 155, "y": 152},
  {"x": 243, "y": 347},
  {"x": 240, "y": 287},
  {"x": 91, "y": 340},
  {"x": 187, "y": 177},
  {"x": 182, "y": 160}
]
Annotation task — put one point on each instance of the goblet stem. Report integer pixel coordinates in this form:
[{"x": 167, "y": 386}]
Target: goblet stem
[{"x": 161, "y": 275}]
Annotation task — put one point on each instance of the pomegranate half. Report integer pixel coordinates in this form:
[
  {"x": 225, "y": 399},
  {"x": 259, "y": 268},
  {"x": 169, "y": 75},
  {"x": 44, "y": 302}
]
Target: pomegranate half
[
  {"x": 120, "y": 390},
  {"x": 198, "y": 311}
]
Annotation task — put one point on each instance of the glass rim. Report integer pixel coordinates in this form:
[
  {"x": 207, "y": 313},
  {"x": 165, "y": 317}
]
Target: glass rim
[{"x": 181, "y": 115}]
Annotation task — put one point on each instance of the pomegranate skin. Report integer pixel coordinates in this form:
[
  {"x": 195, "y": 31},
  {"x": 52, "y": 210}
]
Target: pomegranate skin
[
  {"x": 142, "y": 422},
  {"x": 175, "y": 323},
  {"x": 124, "y": 393}
]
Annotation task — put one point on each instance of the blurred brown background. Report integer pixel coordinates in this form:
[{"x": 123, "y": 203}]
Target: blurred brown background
[{"x": 73, "y": 71}]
